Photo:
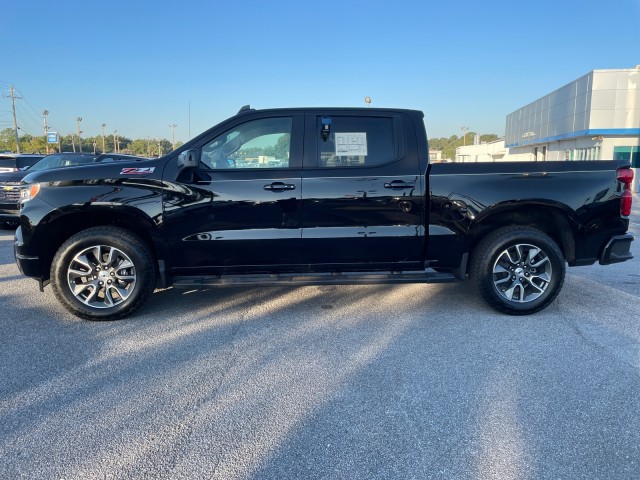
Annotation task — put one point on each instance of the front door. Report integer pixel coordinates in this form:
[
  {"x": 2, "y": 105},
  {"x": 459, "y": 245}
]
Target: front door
[{"x": 241, "y": 210}]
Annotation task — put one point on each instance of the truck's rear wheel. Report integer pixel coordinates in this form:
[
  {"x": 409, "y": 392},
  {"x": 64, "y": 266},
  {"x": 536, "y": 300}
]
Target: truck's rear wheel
[
  {"x": 517, "y": 270},
  {"x": 103, "y": 273}
]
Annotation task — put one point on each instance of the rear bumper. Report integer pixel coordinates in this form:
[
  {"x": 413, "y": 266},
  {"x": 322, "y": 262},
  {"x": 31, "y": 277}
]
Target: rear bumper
[{"x": 617, "y": 249}]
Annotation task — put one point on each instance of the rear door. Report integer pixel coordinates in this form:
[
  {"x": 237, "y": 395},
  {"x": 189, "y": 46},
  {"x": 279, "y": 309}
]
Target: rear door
[{"x": 363, "y": 198}]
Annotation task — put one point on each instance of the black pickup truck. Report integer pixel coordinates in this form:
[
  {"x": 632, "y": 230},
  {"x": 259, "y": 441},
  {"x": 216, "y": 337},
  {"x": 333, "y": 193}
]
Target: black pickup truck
[{"x": 317, "y": 196}]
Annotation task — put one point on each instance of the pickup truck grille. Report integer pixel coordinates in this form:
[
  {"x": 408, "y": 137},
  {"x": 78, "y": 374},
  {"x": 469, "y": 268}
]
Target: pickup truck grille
[{"x": 10, "y": 192}]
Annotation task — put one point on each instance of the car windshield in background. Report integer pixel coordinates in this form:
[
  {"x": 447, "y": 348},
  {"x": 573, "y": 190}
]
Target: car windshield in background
[
  {"x": 62, "y": 160},
  {"x": 8, "y": 163}
]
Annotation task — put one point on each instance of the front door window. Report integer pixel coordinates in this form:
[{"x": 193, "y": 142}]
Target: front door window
[{"x": 264, "y": 143}]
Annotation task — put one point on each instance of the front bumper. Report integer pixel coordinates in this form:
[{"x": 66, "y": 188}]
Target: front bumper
[
  {"x": 27, "y": 264},
  {"x": 9, "y": 212},
  {"x": 617, "y": 249}
]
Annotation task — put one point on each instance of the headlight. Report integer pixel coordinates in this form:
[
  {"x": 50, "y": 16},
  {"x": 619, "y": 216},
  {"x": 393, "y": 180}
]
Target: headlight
[{"x": 29, "y": 191}]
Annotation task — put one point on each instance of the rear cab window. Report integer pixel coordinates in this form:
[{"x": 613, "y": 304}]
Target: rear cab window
[
  {"x": 7, "y": 163},
  {"x": 357, "y": 141}
]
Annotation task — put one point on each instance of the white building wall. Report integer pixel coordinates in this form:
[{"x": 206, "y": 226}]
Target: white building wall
[
  {"x": 583, "y": 120},
  {"x": 615, "y": 99},
  {"x": 483, "y": 152}
]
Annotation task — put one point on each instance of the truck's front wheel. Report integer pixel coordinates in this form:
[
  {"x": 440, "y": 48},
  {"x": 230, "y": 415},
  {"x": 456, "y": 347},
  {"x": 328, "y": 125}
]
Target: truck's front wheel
[
  {"x": 517, "y": 270},
  {"x": 103, "y": 273}
]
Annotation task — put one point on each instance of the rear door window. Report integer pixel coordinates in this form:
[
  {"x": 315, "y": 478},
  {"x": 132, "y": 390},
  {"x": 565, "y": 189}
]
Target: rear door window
[{"x": 356, "y": 141}]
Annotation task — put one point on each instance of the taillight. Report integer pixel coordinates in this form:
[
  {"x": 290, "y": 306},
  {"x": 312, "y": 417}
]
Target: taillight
[{"x": 625, "y": 176}]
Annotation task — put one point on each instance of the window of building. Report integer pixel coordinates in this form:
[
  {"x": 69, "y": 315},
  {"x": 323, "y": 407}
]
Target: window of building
[
  {"x": 356, "y": 141},
  {"x": 264, "y": 143},
  {"x": 630, "y": 154}
]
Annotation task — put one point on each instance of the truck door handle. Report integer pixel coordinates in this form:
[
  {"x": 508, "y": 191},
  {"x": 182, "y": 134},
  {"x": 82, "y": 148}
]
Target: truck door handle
[
  {"x": 279, "y": 187},
  {"x": 398, "y": 185}
]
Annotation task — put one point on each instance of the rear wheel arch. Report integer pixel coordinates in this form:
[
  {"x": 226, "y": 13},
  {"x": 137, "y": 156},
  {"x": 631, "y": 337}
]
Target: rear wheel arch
[{"x": 552, "y": 221}]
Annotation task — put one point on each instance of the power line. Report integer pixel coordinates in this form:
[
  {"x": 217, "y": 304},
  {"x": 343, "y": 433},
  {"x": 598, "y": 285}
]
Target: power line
[
  {"x": 27, "y": 121},
  {"x": 27, "y": 102}
]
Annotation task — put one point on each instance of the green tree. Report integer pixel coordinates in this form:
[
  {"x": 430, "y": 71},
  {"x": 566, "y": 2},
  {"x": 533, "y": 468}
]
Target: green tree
[
  {"x": 31, "y": 144},
  {"x": 140, "y": 146},
  {"x": 7, "y": 140},
  {"x": 489, "y": 137},
  {"x": 449, "y": 145}
]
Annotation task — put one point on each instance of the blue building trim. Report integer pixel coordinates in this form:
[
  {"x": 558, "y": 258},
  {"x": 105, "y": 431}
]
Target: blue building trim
[{"x": 581, "y": 133}]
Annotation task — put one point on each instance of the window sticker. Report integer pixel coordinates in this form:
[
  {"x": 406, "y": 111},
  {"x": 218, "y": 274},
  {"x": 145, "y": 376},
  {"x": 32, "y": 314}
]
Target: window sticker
[{"x": 351, "y": 143}]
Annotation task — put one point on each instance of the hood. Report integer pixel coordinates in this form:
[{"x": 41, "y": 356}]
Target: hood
[
  {"x": 13, "y": 177},
  {"x": 98, "y": 171}
]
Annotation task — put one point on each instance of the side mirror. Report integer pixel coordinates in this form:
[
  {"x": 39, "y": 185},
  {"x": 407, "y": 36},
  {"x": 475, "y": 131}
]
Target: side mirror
[{"x": 188, "y": 159}]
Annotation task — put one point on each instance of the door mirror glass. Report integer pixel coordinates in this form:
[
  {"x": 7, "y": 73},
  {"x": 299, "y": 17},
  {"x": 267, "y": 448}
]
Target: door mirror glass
[{"x": 188, "y": 159}]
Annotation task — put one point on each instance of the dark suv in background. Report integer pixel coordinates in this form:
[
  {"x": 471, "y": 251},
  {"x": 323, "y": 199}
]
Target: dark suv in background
[
  {"x": 12, "y": 162},
  {"x": 10, "y": 180}
]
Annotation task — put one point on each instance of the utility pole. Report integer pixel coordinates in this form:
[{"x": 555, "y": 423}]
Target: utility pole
[
  {"x": 78, "y": 120},
  {"x": 103, "y": 126},
  {"x": 115, "y": 147},
  {"x": 173, "y": 126},
  {"x": 15, "y": 121},
  {"x": 46, "y": 129}
]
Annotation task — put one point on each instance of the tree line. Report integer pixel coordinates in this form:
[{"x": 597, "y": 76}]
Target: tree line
[
  {"x": 147, "y": 147},
  {"x": 449, "y": 145},
  {"x": 154, "y": 147}
]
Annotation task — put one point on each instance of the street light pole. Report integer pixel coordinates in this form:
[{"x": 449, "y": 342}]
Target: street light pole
[
  {"x": 464, "y": 135},
  {"x": 46, "y": 140},
  {"x": 103, "y": 126},
  {"x": 115, "y": 146},
  {"x": 173, "y": 126},
  {"x": 78, "y": 120}
]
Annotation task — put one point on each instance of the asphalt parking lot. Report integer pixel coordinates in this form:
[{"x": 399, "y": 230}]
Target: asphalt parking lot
[{"x": 418, "y": 381}]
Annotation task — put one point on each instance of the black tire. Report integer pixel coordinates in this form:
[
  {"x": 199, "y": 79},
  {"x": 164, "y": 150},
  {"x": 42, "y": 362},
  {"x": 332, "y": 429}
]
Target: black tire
[
  {"x": 517, "y": 270},
  {"x": 103, "y": 273}
]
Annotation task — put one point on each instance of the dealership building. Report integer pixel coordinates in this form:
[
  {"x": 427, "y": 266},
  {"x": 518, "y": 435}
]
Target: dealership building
[{"x": 596, "y": 117}]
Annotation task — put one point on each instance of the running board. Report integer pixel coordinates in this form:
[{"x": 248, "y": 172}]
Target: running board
[{"x": 298, "y": 279}]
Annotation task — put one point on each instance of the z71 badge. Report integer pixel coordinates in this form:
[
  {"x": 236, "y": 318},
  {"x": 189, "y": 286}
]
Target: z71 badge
[{"x": 137, "y": 171}]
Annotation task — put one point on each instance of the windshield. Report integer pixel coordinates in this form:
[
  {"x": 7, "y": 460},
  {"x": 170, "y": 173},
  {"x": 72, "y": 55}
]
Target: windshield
[{"x": 62, "y": 160}]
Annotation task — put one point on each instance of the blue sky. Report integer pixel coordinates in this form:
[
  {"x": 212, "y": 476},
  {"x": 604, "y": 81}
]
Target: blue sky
[{"x": 137, "y": 66}]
